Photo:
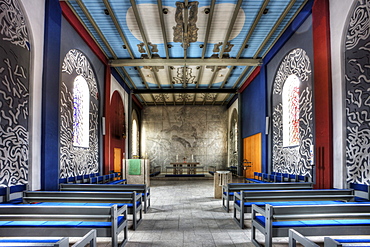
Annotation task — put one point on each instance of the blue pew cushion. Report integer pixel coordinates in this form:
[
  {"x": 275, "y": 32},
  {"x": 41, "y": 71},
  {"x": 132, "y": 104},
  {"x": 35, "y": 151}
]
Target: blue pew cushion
[
  {"x": 313, "y": 223},
  {"x": 364, "y": 240},
  {"x": 29, "y": 240},
  {"x": 92, "y": 224},
  {"x": 85, "y": 204}
]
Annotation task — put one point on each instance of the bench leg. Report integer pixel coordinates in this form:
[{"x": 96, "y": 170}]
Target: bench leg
[{"x": 239, "y": 221}]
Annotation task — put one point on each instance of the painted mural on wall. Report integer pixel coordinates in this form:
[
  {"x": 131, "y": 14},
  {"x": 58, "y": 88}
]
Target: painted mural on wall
[
  {"x": 196, "y": 133},
  {"x": 293, "y": 115},
  {"x": 357, "y": 76},
  {"x": 14, "y": 94},
  {"x": 77, "y": 157}
]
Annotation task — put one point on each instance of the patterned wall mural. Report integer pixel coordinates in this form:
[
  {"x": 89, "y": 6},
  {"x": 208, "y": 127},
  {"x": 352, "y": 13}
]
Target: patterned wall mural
[
  {"x": 233, "y": 140},
  {"x": 357, "y": 76},
  {"x": 14, "y": 94},
  {"x": 293, "y": 159},
  {"x": 185, "y": 131},
  {"x": 76, "y": 160}
]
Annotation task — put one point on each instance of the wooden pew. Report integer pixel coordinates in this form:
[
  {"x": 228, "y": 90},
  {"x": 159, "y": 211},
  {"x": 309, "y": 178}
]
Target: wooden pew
[
  {"x": 88, "y": 239},
  {"x": 132, "y": 200},
  {"x": 310, "y": 220},
  {"x": 243, "y": 201},
  {"x": 295, "y": 237},
  {"x": 229, "y": 189},
  {"x": 362, "y": 191},
  {"x": 26, "y": 220},
  {"x": 139, "y": 188},
  {"x": 12, "y": 194},
  {"x": 94, "y": 178}
]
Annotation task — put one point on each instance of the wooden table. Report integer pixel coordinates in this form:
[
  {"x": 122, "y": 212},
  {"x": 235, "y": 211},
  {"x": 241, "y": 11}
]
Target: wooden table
[{"x": 179, "y": 166}]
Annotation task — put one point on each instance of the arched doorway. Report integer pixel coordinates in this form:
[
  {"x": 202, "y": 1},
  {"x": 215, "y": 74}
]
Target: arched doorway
[{"x": 117, "y": 133}]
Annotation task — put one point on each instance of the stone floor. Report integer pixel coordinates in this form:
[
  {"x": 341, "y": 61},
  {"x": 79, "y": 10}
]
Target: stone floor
[{"x": 185, "y": 213}]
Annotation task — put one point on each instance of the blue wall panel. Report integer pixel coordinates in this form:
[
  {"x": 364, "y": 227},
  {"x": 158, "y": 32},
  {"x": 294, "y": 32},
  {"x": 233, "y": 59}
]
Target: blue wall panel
[
  {"x": 254, "y": 111},
  {"x": 50, "y": 94}
]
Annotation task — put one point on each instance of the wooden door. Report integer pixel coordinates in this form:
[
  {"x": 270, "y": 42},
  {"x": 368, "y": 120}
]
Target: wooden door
[
  {"x": 117, "y": 160},
  {"x": 252, "y": 147}
]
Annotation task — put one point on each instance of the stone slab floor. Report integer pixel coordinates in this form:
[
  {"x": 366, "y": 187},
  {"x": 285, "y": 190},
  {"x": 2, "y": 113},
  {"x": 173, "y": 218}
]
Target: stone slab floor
[{"x": 185, "y": 213}]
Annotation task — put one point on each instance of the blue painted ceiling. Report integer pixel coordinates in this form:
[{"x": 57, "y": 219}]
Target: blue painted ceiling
[{"x": 227, "y": 40}]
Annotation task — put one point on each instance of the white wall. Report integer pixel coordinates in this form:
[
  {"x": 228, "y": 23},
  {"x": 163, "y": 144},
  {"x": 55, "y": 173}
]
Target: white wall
[
  {"x": 34, "y": 12},
  {"x": 339, "y": 11}
]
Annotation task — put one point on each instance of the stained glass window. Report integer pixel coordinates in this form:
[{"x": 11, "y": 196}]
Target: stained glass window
[
  {"x": 290, "y": 99},
  {"x": 81, "y": 102}
]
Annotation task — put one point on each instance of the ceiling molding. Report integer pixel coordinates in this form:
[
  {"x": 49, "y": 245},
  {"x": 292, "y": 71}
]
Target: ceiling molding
[
  {"x": 183, "y": 90},
  {"x": 187, "y": 62}
]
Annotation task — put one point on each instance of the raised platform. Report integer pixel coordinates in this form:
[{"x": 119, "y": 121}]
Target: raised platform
[
  {"x": 171, "y": 176},
  {"x": 184, "y": 175}
]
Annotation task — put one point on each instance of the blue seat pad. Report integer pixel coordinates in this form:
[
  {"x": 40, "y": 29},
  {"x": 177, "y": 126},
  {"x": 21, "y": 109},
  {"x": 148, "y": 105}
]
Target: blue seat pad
[
  {"x": 26, "y": 223},
  {"x": 29, "y": 240},
  {"x": 312, "y": 223},
  {"x": 365, "y": 240},
  {"x": 230, "y": 193},
  {"x": 249, "y": 204},
  {"x": 129, "y": 205}
]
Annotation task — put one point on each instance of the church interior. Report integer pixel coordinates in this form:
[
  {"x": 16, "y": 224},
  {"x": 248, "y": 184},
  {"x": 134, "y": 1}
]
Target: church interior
[{"x": 164, "y": 123}]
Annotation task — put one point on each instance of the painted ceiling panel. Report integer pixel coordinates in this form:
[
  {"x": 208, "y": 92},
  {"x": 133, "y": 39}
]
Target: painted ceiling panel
[{"x": 130, "y": 33}]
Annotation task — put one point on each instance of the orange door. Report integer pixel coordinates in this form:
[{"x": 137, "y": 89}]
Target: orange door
[
  {"x": 117, "y": 160},
  {"x": 252, "y": 155}
]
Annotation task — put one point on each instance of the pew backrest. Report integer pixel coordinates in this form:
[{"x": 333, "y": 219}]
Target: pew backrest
[
  {"x": 228, "y": 190},
  {"x": 314, "y": 220},
  {"x": 35, "y": 220},
  {"x": 139, "y": 188},
  {"x": 295, "y": 195}
]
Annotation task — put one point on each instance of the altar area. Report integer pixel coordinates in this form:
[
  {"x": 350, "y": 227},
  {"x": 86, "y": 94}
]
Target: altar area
[{"x": 179, "y": 168}]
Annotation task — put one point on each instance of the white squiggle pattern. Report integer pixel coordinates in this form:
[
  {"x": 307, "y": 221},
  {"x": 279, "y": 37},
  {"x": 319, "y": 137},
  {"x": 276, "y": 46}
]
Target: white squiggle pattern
[
  {"x": 75, "y": 61},
  {"x": 359, "y": 25},
  {"x": 12, "y": 24},
  {"x": 76, "y": 160},
  {"x": 293, "y": 160},
  {"x": 295, "y": 63},
  {"x": 357, "y": 74},
  {"x": 14, "y": 137}
]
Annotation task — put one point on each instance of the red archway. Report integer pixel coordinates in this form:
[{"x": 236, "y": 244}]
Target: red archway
[{"x": 116, "y": 134}]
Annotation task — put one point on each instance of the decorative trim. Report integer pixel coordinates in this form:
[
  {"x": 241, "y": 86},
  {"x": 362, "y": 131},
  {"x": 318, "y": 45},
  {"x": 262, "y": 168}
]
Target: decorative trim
[{"x": 253, "y": 76}]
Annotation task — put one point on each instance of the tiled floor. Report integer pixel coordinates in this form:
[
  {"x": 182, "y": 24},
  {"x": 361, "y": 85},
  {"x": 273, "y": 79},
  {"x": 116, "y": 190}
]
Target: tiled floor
[{"x": 185, "y": 213}]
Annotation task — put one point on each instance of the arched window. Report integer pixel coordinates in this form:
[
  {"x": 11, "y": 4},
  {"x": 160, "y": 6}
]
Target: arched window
[
  {"x": 81, "y": 101},
  {"x": 290, "y": 100},
  {"x": 134, "y": 138}
]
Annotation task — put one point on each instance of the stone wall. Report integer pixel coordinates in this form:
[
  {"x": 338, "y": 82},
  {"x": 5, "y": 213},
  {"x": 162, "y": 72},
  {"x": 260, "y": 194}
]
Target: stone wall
[{"x": 197, "y": 133}]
